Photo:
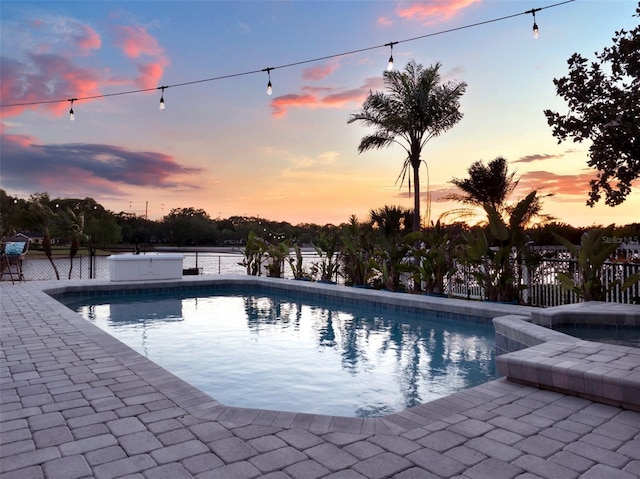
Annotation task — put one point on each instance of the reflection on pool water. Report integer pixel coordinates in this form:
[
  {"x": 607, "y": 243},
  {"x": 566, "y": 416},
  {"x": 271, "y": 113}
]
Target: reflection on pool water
[{"x": 271, "y": 351}]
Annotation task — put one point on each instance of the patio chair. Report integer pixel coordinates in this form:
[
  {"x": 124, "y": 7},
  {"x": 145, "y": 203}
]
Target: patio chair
[{"x": 14, "y": 250}]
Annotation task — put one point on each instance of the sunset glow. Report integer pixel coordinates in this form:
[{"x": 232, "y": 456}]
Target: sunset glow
[{"x": 226, "y": 147}]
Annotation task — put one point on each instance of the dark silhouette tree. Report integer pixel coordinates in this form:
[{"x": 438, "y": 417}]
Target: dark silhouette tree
[
  {"x": 418, "y": 107},
  {"x": 493, "y": 185},
  {"x": 604, "y": 107}
]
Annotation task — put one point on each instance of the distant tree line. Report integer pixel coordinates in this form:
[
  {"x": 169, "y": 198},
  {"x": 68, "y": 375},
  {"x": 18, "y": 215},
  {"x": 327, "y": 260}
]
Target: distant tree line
[
  {"x": 194, "y": 227},
  {"x": 60, "y": 218}
]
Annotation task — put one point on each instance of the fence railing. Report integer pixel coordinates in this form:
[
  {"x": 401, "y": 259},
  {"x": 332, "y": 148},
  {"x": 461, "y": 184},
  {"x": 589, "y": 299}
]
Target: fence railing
[{"x": 541, "y": 287}]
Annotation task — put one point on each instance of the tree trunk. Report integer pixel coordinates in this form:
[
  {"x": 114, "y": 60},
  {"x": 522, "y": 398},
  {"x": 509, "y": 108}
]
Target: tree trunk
[{"x": 416, "y": 192}]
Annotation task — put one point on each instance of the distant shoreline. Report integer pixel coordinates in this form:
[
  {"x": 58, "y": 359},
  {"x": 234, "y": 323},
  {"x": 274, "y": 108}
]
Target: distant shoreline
[{"x": 203, "y": 249}]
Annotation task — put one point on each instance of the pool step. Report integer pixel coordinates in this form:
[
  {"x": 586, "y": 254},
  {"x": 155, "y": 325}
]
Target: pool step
[{"x": 596, "y": 371}]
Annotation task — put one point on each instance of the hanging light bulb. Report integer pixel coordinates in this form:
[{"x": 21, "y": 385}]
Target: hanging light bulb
[
  {"x": 390, "y": 64},
  {"x": 536, "y": 30},
  {"x": 162, "y": 98},
  {"x": 72, "y": 115},
  {"x": 269, "y": 86}
]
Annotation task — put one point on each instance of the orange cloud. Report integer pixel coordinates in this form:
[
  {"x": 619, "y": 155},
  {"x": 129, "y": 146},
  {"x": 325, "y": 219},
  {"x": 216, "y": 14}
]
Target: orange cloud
[
  {"x": 570, "y": 187},
  {"x": 434, "y": 10},
  {"x": 320, "y": 72}
]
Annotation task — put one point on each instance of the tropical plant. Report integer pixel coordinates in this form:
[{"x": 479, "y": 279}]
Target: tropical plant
[
  {"x": 495, "y": 250},
  {"x": 356, "y": 253},
  {"x": 389, "y": 226},
  {"x": 604, "y": 108},
  {"x": 390, "y": 261},
  {"x": 418, "y": 107},
  {"x": 275, "y": 255},
  {"x": 326, "y": 246},
  {"x": 40, "y": 217},
  {"x": 437, "y": 245},
  {"x": 73, "y": 224},
  {"x": 591, "y": 256},
  {"x": 253, "y": 254},
  {"x": 297, "y": 264}
]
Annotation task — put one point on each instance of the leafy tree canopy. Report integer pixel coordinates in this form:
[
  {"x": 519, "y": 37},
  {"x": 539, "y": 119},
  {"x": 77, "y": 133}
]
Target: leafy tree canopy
[{"x": 604, "y": 107}]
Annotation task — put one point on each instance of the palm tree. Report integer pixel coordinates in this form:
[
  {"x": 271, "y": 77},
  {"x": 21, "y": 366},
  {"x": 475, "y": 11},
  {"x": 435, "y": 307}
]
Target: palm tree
[
  {"x": 493, "y": 185},
  {"x": 418, "y": 107},
  {"x": 487, "y": 184}
]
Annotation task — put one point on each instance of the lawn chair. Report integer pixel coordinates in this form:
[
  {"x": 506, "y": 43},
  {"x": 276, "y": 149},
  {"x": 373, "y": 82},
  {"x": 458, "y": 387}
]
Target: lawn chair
[{"x": 14, "y": 250}]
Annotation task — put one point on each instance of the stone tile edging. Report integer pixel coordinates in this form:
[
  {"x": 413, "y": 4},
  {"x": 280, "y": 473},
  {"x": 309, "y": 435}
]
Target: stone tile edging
[{"x": 537, "y": 356}]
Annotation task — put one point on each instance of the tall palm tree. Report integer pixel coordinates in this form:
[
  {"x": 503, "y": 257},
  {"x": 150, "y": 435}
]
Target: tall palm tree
[{"x": 418, "y": 107}]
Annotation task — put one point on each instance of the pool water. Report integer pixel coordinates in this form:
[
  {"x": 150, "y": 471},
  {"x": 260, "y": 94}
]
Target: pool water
[
  {"x": 270, "y": 351},
  {"x": 620, "y": 336}
]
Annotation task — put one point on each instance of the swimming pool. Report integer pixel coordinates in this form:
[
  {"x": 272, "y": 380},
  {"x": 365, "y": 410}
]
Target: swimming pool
[{"x": 268, "y": 349}]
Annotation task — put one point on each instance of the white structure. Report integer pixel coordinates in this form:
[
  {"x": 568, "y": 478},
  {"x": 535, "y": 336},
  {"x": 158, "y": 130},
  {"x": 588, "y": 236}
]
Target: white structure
[{"x": 138, "y": 267}]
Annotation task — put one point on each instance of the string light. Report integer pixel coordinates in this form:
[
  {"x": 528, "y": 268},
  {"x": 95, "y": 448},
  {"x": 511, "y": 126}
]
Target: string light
[
  {"x": 72, "y": 115},
  {"x": 536, "y": 30},
  {"x": 390, "y": 64},
  {"x": 162, "y": 97},
  {"x": 313, "y": 60},
  {"x": 269, "y": 86}
]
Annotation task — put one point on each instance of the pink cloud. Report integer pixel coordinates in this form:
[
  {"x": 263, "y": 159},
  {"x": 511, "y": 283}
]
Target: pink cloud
[
  {"x": 434, "y": 10},
  {"x": 313, "y": 98},
  {"x": 320, "y": 72},
  {"x": 281, "y": 104},
  {"x": 47, "y": 68},
  {"x": 383, "y": 21},
  {"x": 45, "y": 77},
  {"x": 88, "y": 39},
  {"x": 135, "y": 42},
  {"x": 150, "y": 74}
]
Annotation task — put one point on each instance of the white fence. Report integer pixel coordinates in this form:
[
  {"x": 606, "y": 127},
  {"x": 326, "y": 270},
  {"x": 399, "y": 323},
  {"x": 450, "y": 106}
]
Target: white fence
[{"x": 541, "y": 287}]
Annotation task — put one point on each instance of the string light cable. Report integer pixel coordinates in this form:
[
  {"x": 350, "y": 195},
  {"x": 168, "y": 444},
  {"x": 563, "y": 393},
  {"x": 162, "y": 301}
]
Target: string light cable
[{"x": 288, "y": 65}]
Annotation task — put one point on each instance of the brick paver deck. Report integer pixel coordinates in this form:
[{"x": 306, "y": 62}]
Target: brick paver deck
[{"x": 76, "y": 403}]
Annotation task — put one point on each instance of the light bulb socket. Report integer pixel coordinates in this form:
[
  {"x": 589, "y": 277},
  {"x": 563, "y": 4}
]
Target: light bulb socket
[
  {"x": 269, "y": 86},
  {"x": 72, "y": 115},
  {"x": 162, "y": 88}
]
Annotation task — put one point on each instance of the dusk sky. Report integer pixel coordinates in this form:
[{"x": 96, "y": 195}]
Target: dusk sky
[{"x": 227, "y": 147}]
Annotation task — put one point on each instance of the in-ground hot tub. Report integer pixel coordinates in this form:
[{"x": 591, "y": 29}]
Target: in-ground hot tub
[{"x": 138, "y": 267}]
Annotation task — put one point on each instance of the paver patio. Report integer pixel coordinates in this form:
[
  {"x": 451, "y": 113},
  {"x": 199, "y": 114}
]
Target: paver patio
[{"x": 76, "y": 403}]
